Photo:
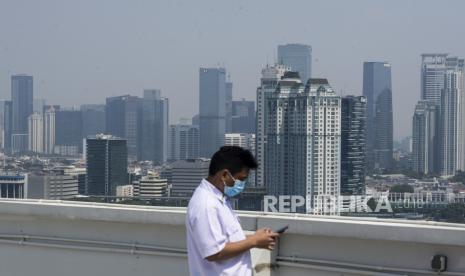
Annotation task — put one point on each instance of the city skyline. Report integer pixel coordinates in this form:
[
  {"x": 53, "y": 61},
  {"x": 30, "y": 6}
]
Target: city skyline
[{"x": 70, "y": 70}]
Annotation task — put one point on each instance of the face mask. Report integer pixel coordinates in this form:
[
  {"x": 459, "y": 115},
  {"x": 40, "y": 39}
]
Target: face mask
[{"x": 238, "y": 187}]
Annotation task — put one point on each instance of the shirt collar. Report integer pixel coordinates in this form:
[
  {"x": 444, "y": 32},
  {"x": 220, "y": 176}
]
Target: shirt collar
[{"x": 213, "y": 190}]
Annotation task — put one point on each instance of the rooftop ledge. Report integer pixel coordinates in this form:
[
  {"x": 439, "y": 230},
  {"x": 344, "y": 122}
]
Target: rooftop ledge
[
  {"x": 334, "y": 226},
  {"x": 54, "y": 237}
]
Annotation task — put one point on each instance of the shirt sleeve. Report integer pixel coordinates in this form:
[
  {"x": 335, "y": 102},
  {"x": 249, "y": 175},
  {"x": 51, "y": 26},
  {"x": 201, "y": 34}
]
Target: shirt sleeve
[{"x": 207, "y": 232}]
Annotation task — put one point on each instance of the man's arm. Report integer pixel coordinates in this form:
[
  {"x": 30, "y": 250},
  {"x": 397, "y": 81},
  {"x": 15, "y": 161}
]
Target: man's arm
[{"x": 263, "y": 238}]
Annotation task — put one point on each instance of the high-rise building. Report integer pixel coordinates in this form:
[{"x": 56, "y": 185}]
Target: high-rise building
[
  {"x": 36, "y": 133},
  {"x": 268, "y": 84},
  {"x": 228, "y": 102},
  {"x": 353, "y": 145},
  {"x": 298, "y": 57},
  {"x": 183, "y": 142},
  {"x": 246, "y": 141},
  {"x": 93, "y": 119},
  {"x": 433, "y": 68},
  {"x": 106, "y": 164},
  {"x": 49, "y": 130},
  {"x": 424, "y": 137},
  {"x": 123, "y": 120},
  {"x": 452, "y": 121},
  {"x": 68, "y": 132},
  {"x": 5, "y": 125},
  {"x": 303, "y": 132},
  {"x": 154, "y": 131},
  {"x": 243, "y": 116},
  {"x": 377, "y": 89},
  {"x": 22, "y": 107},
  {"x": 212, "y": 110},
  {"x": 186, "y": 174},
  {"x": 38, "y": 106}
]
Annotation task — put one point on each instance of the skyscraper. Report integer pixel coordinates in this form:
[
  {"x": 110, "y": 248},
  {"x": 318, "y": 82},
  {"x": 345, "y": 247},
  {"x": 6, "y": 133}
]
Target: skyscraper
[
  {"x": 36, "y": 133},
  {"x": 6, "y": 124},
  {"x": 298, "y": 57},
  {"x": 183, "y": 142},
  {"x": 452, "y": 121},
  {"x": 212, "y": 109},
  {"x": 22, "y": 107},
  {"x": 268, "y": 84},
  {"x": 442, "y": 85},
  {"x": 243, "y": 116},
  {"x": 353, "y": 145},
  {"x": 68, "y": 132},
  {"x": 154, "y": 131},
  {"x": 378, "y": 91},
  {"x": 228, "y": 102},
  {"x": 424, "y": 137},
  {"x": 303, "y": 132},
  {"x": 49, "y": 130},
  {"x": 106, "y": 163},
  {"x": 123, "y": 120},
  {"x": 93, "y": 119},
  {"x": 433, "y": 68}
]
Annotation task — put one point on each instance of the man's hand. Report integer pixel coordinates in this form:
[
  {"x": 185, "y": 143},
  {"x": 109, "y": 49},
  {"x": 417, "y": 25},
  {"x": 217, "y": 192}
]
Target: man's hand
[{"x": 264, "y": 238}]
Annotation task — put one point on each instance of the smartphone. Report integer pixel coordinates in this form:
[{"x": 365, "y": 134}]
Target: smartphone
[{"x": 282, "y": 229}]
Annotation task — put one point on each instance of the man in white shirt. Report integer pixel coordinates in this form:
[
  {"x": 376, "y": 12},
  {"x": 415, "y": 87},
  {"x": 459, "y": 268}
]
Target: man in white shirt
[{"x": 216, "y": 244}]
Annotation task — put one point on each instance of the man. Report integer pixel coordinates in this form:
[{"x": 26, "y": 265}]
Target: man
[{"x": 216, "y": 244}]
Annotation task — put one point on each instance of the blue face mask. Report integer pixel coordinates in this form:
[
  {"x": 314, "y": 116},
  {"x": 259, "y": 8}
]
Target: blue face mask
[{"x": 238, "y": 187}]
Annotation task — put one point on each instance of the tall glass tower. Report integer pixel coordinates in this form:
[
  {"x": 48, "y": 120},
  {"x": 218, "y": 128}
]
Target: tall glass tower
[
  {"x": 377, "y": 89},
  {"x": 298, "y": 57},
  {"x": 212, "y": 109}
]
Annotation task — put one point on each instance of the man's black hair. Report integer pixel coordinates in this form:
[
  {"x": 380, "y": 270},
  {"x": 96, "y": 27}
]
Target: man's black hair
[{"x": 232, "y": 158}]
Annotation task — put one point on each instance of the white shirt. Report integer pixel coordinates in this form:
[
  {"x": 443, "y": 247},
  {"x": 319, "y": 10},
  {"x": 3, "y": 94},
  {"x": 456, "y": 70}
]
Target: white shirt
[{"x": 210, "y": 224}]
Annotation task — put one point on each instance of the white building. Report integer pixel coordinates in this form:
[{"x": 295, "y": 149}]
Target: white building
[
  {"x": 303, "y": 143},
  {"x": 183, "y": 142},
  {"x": 125, "y": 191},
  {"x": 152, "y": 186},
  {"x": 36, "y": 133},
  {"x": 54, "y": 184},
  {"x": 49, "y": 130},
  {"x": 268, "y": 84}
]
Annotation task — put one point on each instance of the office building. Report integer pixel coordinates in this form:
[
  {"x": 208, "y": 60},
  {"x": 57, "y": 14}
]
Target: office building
[
  {"x": 303, "y": 132},
  {"x": 5, "y": 125},
  {"x": 93, "y": 119},
  {"x": 298, "y": 57},
  {"x": 106, "y": 164},
  {"x": 243, "y": 116},
  {"x": 68, "y": 132},
  {"x": 152, "y": 186},
  {"x": 52, "y": 184},
  {"x": 377, "y": 89},
  {"x": 49, "y": 130},
  {"x": 183, "y": 142},
  {"x": 13, "y": 185},
  {"x": 36, "y": 133},
  {"x": 123, "y": 120},
  {"x": 424, "y": 137},
  {"x": 228, "y": 102},
  {"x": 154, "y": 131},
  {"x": 452, "y": 121},
  {"x": 186, "y": 176},
  {"x": 268, "y": 84},
  {"x": 125, "y": 191},
  {"x": 22, "y": 108},
  {"x": 212, "y": 110},
  {"x": 353, "y": 145}
]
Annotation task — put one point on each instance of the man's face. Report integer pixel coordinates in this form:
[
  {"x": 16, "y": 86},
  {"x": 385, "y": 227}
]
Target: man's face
[{"x": 241, "y": 175}]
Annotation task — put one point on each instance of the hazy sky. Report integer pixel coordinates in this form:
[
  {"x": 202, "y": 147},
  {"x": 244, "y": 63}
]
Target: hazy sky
[{"x": 82, "y": 51}]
